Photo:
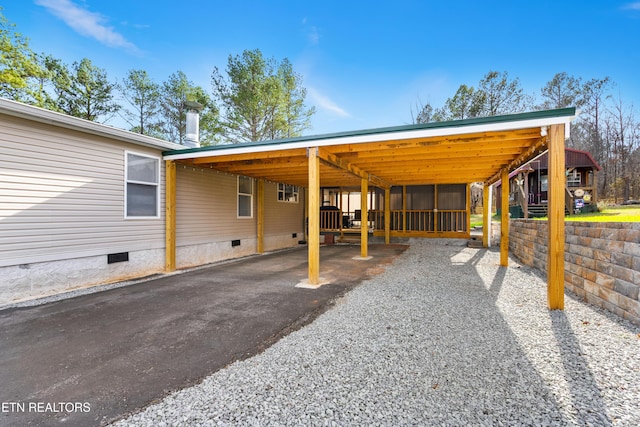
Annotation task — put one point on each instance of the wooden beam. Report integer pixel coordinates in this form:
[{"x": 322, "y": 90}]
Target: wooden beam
[
  {"x": 387, "y": 215},
  {"x": 556, "y": 185},
  {"x": 468, "y": 203},
  {"x": 170, "y": 216},
  {"x": 474, "y": 138},
  {"x": 532, "y": 151},
  {"x": 504, "y": 220},
  {"x": 295, "y": 152},
  {"x": 335, "y": 161},
  {"x": 314, "y": 217},
  {"x": 423, "y": 165},
  {"x": 241, "y": 167},
  {"x": 404, "y": 208},
  {"x": 482, "y": 149},
  {"x": 486, "y": 215},
  {"x": 260, "y": 219},
  {"x": 364, "y": 220}
]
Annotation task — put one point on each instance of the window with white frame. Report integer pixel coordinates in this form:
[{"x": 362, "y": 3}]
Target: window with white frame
[
  {"x": 245, "y": 197},
  {"x": 142, "y": 186},
  {"x": 287, "y": 193}
]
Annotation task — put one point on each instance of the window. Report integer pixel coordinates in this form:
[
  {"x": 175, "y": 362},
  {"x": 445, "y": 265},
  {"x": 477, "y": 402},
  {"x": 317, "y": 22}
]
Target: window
[
  {"x": 245, "y": 197},
  {"x": 574, "y": 179},
  {"x": 287, "y": 193},
  {"x": 544, "y": 183},
  {"x": 142, "y": 186}
]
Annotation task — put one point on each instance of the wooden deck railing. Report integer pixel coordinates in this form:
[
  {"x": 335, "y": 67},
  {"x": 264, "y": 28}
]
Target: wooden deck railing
[
  {"x": 429, "y": 221},
  {"x": 330, "y": 220},
  {"x": 424, "y": 221}
]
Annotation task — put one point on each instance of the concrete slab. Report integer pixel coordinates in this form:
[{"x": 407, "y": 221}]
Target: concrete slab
[
  {"x": 362, "y": 258},
  {"x": 113, "y": 352},
  {"x": 305, "y": 284}
]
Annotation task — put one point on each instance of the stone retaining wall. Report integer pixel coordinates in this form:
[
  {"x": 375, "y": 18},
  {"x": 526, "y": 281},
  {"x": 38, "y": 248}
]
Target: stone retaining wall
[{"x": 602, "y": 260}]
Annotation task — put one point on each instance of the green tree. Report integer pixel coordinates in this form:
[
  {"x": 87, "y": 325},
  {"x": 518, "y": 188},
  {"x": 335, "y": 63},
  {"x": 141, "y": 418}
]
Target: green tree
[
  {"x": 293, "y": 117},
  {"x": 55, "y": 82},
  {"x": 143, "y": 97},
  {"x": 260, "y": 99},
  {"x": 19, "y": 66},
  {"x": 425, "y": 114},
  {"x": 466, "y": 103},
  {"x": 623, "y": 131},
  {"x": 589, "y": 128},
  {"x": 90, "y": 95},
  {"x": 499, "y": 95},
  {"x": 175, "y": 91},
  {"x": 561, "y": 91}
]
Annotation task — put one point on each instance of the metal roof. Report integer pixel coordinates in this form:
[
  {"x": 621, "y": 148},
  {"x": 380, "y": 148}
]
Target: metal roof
[
  {"x": 458, "y": 151},
  {"x": 573, "y": 158}
]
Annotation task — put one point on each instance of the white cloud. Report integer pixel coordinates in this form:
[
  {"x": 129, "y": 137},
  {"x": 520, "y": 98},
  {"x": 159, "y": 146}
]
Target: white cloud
[
  {"x": 86, "y": 23},
  {"x": 632, "y": 6},
  {"x": 312, "y": 33},
  {"x": 323, "y": 102},
  {"x": 314, "y": 36}
]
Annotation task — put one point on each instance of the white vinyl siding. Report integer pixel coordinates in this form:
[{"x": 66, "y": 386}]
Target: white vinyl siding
[
  {"x": 62, "y": 195},
  {"x": 206, "y": 208},
  {"x": 282, "y": 218}
]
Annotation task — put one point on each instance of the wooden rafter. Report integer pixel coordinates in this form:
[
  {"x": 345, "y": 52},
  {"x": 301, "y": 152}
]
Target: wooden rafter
[{"x": 333, "y": 160}]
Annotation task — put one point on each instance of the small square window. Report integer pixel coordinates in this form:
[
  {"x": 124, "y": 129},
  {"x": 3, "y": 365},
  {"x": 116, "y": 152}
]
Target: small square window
[{"x": 288, "y": 193}]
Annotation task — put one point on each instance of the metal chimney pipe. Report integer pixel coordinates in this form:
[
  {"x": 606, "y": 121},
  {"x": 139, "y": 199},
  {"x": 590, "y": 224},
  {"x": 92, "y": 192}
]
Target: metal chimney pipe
[{"x": 192, "y": 133}]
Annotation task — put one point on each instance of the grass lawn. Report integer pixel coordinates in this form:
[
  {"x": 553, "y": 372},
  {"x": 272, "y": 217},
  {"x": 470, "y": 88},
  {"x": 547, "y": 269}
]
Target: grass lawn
[
  {"x": 608, "y": 214},
  {"x": 613, "y": 214}
]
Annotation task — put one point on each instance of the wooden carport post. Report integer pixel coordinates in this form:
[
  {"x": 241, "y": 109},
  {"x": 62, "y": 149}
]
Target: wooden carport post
[
  {"x": 170, "y": 216},
  {"x": 387, "y": 216},
  {"x": 364, "y": 217},
  {"x": 555, "y": 254},
  {"x": 486, "y": 216},
  {"x": 314, "y": 216},
  {"x": 260, "y": 219},
  {"x": 504, "y": 219}
]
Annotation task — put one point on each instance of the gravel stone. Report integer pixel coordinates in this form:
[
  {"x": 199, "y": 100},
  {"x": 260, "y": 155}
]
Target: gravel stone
[{"x": 444, "y": 336}]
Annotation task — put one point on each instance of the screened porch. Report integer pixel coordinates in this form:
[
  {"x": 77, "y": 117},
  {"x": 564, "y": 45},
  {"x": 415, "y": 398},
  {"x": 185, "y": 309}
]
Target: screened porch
[{"x": 435, "y": 210}]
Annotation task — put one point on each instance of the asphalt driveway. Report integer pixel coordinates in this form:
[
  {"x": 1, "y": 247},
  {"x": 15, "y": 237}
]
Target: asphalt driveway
[{"x": 93, "y": 358}]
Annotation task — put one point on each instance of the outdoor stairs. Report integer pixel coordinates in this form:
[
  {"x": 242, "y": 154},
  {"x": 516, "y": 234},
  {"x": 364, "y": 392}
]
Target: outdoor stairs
[{"x": 539, "y": 211}]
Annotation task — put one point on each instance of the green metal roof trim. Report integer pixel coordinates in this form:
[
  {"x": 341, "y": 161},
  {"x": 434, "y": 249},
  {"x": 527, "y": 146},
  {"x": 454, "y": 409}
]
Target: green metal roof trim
[{"x": 543, "y": 114}]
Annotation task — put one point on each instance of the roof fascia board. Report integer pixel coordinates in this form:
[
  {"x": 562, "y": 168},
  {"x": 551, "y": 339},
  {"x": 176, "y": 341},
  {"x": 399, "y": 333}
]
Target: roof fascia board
[
  {"x": 41, "y": 115},
  {"x": 374, "y": 137}
]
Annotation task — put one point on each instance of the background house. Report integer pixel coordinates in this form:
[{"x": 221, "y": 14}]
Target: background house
[{"x": 529, "y": 185}]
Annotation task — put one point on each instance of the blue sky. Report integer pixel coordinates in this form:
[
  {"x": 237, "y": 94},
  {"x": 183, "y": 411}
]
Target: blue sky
[{"x": 365, "y": 64}]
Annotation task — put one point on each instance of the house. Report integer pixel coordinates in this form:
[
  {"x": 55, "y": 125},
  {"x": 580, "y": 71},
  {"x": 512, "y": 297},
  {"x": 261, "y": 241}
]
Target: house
[
  {"x": 528, "y": 192},
  {"x": 83, "y": 203}
]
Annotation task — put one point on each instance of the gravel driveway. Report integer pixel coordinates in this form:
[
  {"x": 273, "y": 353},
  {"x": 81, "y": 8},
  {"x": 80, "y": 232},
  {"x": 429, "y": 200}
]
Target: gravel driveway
[{"x": 443, "y": 337}]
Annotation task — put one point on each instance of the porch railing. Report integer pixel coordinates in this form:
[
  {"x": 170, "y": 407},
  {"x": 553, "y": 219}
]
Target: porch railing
[
  {"x": 425, "y": 221},
  {"x": 429, "y": 221}
]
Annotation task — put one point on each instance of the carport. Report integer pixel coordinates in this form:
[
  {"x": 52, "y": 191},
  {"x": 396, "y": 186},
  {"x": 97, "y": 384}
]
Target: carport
[{"x": 456, "y": 152}]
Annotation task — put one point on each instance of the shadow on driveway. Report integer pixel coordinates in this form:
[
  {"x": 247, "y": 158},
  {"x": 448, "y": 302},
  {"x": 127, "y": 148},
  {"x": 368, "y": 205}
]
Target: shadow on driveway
[{"x": 113, "y": 352}]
